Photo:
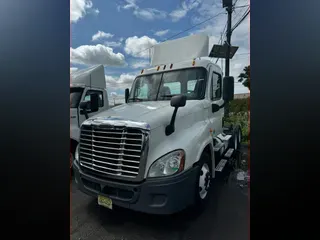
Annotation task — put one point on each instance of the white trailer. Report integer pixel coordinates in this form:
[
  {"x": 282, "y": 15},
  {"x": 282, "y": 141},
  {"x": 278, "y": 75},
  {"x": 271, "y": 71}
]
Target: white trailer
[
  {"x": 86, "y": 85},
  {"x": 159, "y": 152}
]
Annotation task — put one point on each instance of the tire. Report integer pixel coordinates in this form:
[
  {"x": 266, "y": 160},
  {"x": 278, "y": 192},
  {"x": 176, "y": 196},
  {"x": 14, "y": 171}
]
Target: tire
[{"x": 203, "y": 182}]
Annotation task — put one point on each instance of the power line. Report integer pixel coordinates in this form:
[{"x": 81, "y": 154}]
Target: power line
[
  {"x": 186, "y": 30},
  {"x": 196, "y": 25},
  {"x": 247, "y": 5},
  {"x": 221, "y": 40},
  {"x": 241, "y": 19}
]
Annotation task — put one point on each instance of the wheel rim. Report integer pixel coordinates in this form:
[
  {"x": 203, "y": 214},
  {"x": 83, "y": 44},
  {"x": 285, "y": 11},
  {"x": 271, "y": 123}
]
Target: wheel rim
[{"x": 204, "y": 181}]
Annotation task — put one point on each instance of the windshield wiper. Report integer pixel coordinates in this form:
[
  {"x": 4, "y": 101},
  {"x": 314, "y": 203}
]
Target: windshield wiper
[{"x": 135, "y": 98}]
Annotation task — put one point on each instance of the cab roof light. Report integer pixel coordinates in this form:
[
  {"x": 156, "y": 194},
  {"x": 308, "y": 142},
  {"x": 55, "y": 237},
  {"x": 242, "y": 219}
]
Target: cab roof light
[
  {"x": 171, "y": 66},
  {"x": 194, "y": 62},
  {"x": 158, "y": 68},
  {"x": 164, "y": 67},
  {"x": 142, "y": 71}
]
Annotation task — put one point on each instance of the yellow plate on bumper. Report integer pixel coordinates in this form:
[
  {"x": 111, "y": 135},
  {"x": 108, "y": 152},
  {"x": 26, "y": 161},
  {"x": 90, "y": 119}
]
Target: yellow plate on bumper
[{"x": 105, "y": 202}]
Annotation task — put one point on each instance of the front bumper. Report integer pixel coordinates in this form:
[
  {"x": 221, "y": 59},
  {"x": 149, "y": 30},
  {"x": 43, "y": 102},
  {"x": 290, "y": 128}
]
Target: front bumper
[{"x": 156, "y": 196}]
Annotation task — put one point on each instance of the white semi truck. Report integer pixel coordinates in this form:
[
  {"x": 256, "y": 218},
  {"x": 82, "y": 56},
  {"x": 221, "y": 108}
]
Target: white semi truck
[
  {"x": 87, "y": 85},
  {"x": 159, "y": 152}
]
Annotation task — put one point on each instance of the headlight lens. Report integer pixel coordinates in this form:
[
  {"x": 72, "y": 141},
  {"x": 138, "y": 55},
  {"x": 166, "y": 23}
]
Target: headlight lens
[
  {"x": 76, "y": 155},
  {"x": 168, "y": 164}
]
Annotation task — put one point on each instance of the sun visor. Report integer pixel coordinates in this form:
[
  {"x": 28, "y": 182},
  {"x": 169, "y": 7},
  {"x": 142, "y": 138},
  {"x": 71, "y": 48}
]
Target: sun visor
[{"x": 179, "y": 50}]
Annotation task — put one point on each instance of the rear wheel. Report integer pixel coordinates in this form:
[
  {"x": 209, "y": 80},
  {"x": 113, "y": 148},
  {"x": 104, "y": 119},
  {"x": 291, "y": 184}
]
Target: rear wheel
[{"x": 203, "y": 182}]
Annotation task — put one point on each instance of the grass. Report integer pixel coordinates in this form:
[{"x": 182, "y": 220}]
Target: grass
[{"x": 242, "y": 119}]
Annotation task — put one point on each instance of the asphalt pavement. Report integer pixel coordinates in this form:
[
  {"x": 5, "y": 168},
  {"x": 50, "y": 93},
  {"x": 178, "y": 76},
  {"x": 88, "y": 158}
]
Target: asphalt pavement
[{"x": 226, "y": 216}]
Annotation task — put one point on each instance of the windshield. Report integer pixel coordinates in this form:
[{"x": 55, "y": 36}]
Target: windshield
[
  {"x": 162, "y": 86},
  {"x": 75, "y": 97}
]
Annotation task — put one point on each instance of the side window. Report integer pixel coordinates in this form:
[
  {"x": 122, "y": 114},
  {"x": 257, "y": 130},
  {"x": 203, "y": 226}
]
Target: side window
[
  {"x": 216, "y": 86},
  {"x": 191, "y": 85},
  {"x": 87, "y": 97}
]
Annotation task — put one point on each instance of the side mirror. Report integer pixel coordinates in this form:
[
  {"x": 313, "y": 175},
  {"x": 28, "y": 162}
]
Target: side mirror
[
  {"x": 176, "y": 102},
  {"x": 94, "y": 102},
  {"x": 91, "y": 106},
  {"x": 126, "y": 93},
  {"x": 228, "y": 89},
  {"x": 215, "y": 108},
  {"x": 84, "y": 105}
]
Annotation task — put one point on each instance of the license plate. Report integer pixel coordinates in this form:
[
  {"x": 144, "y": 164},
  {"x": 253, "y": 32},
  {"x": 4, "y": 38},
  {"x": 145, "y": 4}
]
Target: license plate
[{"x": 105, "y": 202}]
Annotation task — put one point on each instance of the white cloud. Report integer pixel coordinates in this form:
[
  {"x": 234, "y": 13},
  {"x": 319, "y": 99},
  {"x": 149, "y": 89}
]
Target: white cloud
[
  {"x": 96, "y": 54},
  {"x": 119, "y": 83},
  {"x": 140, "y": 64},
  {"x": 161, "y": 33},
  {"x": 96, "y": 11},
  {"x": 130, "y": 4},
  {"x": 149, "y": 13},
  {"x": 101, "y": 35},
  {"x": 136, "y": 46},
  {"x": 112, "y": 44},
  {"x": 240, "y": 36},
  {"x": 79, "y": 8},
  {"x": 143, "y": 13},
  {"x": 185, "y": 7}
]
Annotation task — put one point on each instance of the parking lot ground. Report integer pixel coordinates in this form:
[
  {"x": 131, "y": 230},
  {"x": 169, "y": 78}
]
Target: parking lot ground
[{"x": 226, "y": 216}]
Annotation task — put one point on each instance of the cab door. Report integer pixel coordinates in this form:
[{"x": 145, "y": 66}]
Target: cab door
[{"x": 215, "y": 96}]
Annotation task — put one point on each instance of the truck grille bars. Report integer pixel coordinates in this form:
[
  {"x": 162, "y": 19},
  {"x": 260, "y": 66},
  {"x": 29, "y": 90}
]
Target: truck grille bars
[{"x": 113, "y": 151}]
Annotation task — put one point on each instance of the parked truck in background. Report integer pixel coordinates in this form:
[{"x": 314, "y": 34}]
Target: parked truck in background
[
  {"x": 86, "y": 85},
  {"x": 159, "y": 152}
]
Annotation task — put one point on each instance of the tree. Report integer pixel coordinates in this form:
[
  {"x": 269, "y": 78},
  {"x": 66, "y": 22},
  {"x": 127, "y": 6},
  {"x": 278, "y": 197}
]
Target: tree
[{"x": 244, "y": 77}]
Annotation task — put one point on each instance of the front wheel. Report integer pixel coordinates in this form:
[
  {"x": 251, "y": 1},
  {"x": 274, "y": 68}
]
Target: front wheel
[{"x": 203, "y": 182}]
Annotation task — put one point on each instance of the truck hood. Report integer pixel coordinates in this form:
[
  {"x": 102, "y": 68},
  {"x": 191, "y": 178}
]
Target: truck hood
[{"x": 154, "y": 113}]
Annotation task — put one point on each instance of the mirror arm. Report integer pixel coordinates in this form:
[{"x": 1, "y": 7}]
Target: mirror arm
[
  {"x": 170, "y": 128},
  {"x": 85, "y": 113}
]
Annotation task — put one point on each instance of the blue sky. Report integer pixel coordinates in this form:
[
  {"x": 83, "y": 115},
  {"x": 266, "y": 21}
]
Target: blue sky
[{"x": 113, "y": 33}]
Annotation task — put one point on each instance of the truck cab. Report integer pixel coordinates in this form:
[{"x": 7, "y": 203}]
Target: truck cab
[
  {"x": 85, "y": 84},
  {"x": 159, "y": 152}
]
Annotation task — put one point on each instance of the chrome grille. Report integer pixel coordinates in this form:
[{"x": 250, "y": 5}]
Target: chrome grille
[{"x": 112, "y": 151}]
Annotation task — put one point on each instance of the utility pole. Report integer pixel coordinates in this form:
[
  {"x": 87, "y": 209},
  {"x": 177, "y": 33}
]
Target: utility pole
[
  {"x": 228, "y": 42},
  {"x": 229, "y": 9}
]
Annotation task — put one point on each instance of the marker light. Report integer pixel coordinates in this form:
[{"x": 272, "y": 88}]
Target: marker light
[
  {"x": 158, "y": 68},
  {"x": 142, "y": 71},
  {"x": 171, "y": 65},
  {"x": 193, "y": 62},
  {"x": 164, "y": 67}
]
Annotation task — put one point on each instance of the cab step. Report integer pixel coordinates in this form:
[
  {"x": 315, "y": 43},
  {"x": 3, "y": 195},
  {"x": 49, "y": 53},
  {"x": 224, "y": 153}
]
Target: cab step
[
  {"x": 221, "y": 165},
  {"x": 218, "y": 146},
  {"x": 229, "y": 153}
]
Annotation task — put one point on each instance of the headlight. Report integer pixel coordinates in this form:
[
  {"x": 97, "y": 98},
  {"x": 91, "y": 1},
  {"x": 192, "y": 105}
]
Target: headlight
[
  {"x": 168, "y": 164},
  {"x": 76, "y": 155}
]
